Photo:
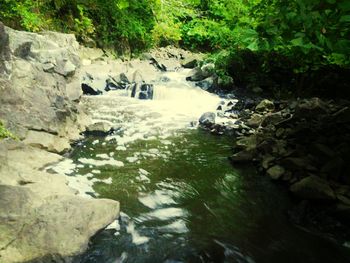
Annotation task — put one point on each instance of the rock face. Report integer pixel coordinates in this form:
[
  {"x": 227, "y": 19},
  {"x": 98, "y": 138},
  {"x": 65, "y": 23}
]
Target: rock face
[
  {"x": 38, "y": 85},
  {"x": 40, "y": 216}
]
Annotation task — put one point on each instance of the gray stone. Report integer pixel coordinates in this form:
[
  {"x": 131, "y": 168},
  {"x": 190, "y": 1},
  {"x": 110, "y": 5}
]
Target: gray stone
[
  {"x": 207, "y": 119},
  {"x": 102, "y": 126},
  {"x": 275, "y": 172},
  {"x": 265, "y": 106},
  {"x": 190, "y": 62},
  {"x": 40, "y": 216},
  {"x": 313, "y": 187},
  {"x": 207, "y": 84}
]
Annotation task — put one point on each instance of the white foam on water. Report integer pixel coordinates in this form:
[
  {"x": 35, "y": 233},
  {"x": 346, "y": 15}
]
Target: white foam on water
[
  {"x": 94, "y": 162},
  {"x": 166, "y": 213},
  {"x": 178, "y": 226},
  {"x": 137, "y": 239},
  {"x": 157, "y": 199},
  {"x": 66, "y": 167}
]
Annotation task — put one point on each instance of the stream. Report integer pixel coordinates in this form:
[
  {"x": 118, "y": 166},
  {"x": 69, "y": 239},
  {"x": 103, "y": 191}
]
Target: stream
[{"x": 181, "y": 199}]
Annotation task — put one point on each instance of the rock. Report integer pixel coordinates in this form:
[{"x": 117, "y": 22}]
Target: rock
[
  {"x": 190, "y": 62},
  {"x": 195, "y": 74},
  {"x": 247, "y": 143},
  {"x": 123, "y": 78},
  {"x": 275, "y": 172},
  {"x": 101, "y": 127},
  {"x": 265, "y": 106},
  {"x": 255, "y": 120},
  {"x": 313, "y": 187},
  {"x": 34, "y": 228},
  {"x": 207, "y": 84},
  {"x": 88, "y": 90},
  {"x": 137, "y": 77},
  {"x": 43, "y": 69},
  {"x": 46, "y": 141},
  {"x": 40, "y": 216},
  {"x": 207, "y": 119},
  {"x": 142, "y": 91},
  {"x": 243, "y": 156},
  {"x": 272, "y": 119},
  {"x": 208, "y": 69},
  {"x": 65, "y": 68},
  {"x": 311, "y": 108},
  {"x": 267, "y": 161}
]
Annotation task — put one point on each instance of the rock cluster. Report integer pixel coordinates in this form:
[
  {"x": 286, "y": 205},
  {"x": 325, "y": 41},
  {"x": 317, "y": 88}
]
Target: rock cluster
[
  {"x": 136, "y": 76},
  {"x": 305, "y": 143}
]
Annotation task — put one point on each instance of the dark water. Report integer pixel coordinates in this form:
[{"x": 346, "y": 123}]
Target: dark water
[{"x": 193, "y": 206}]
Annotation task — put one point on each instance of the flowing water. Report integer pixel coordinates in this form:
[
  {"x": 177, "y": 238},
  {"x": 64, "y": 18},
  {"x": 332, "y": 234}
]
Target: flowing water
[{"x": 181, "y": 200}]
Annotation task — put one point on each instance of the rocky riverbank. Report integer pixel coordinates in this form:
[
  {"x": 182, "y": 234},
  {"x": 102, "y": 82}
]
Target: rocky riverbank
[
  {"x": 303, "y": 144},
  {"x": 41, "y": 217}
]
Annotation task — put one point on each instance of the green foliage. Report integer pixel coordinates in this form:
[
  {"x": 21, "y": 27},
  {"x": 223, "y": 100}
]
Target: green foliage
[
  {"x": 291, "y": 37},
  {"x": 4, "y": 133}
]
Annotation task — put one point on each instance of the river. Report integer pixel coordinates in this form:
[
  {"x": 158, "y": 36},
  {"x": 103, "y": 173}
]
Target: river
[{"x": 181, "y": 199}]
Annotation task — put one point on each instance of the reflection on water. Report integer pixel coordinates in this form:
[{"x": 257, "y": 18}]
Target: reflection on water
[{"x": 181, "y": 199}]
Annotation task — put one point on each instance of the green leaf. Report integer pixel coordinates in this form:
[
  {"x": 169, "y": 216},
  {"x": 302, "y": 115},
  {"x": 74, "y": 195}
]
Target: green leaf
[{"x": 345, "y": 19}]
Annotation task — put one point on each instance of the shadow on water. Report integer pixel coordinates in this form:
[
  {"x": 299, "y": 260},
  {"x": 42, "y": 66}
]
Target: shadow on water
[{"x": 182, "y": 201}]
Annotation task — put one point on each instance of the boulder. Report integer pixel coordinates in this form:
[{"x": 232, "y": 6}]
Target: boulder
[
  {"x": 313, "y": 187},
  {"x": 207, "y": 119},
  {"x": 311, "y": 108},
  {"x": 275, "y": 172},
  {"x": 265, "y": 106},
  {"x": 101, "y": 127},
  {"x": 207, "y": 84},
  {"x": 40, "y": 216},
  {"x": 198, "y": 74},
  {"x": 43, "y": 72},
  {"x": 57, "y": 226},
  {"x": 90, "y": 90},
  {"x": 190, "y": 62},
  {"x": 195, "y": 74}
]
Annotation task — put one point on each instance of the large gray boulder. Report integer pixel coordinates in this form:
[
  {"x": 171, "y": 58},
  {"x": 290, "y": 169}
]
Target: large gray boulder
[
  {"x": 38, "y": 84},
  {"x": 40, "y": 216}
]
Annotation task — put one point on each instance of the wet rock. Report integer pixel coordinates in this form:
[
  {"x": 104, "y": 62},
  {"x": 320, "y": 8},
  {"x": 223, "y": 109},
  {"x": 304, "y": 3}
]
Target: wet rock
[
  {"x": 275, "y": 172},
  {"x": 195, "y": 74},
  {"x": 243, "y": 156},
  {"x": 88, "y": 90},
  {"x": 272, "y": 119},
  {"x": 101, "y": 127},
  {"x": 313, "y": 187},
  {"x": 207, "y": 119},
  {"x": 267, "y": 161},
  {"x": 311, "y": 108},
  {"x": 207, "y": 84},
  {"x": 53, "y": 226},
  {"x": 255, "y": 120},
  {"x": 190, "y": 62},
  {"x": 265, "y": 106}
]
